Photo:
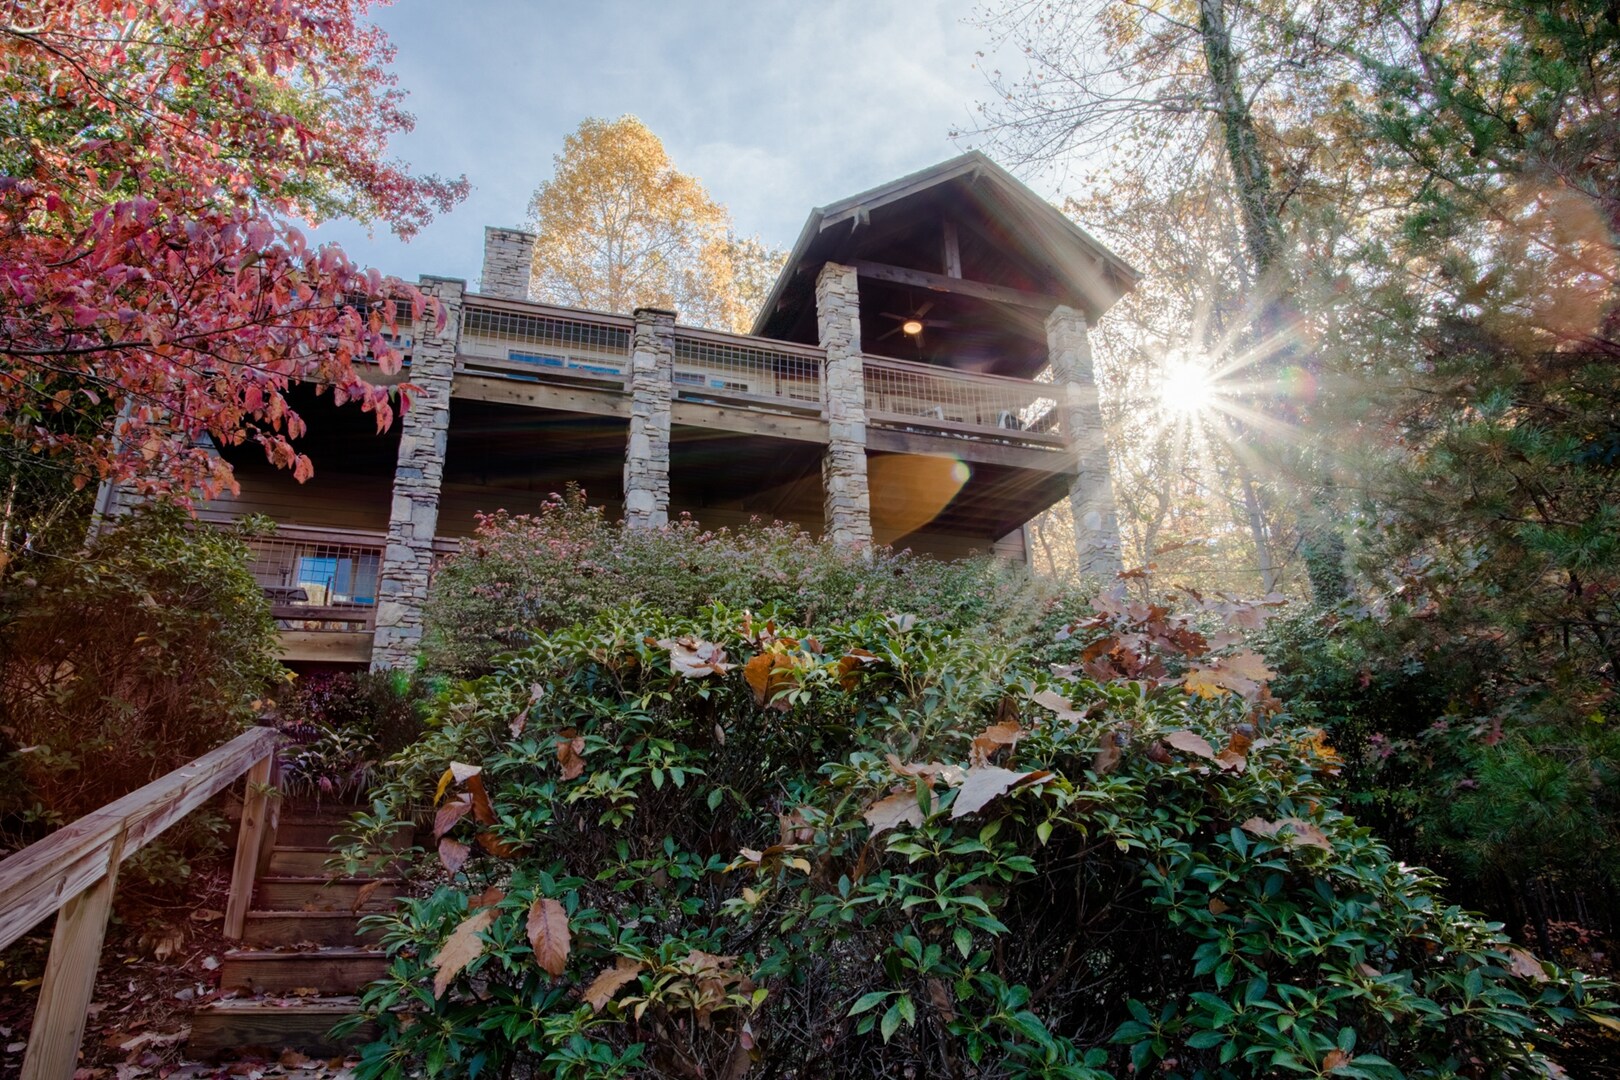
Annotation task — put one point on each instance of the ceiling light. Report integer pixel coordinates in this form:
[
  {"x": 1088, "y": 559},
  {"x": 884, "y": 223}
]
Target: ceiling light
[{"x": 912, "y": 327}]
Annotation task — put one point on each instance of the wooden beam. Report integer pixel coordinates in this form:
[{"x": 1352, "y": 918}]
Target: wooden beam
[
  {"x": 975, "y": 451},
  {"x": 70, "y": 977},
  {"x": 470, "y": 387},
  {"x": 921, "y": 279},
  {"x": 41, "y": 878},
  {"x": 334, "y": 646},
  {"x": 799, "y": 428},
  {"x": 952, "y": 254},
  {"x": 249, "y": 840}
]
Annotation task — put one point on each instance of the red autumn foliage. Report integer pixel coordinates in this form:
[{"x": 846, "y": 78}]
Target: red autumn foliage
[{"x": 154, "y": 158}]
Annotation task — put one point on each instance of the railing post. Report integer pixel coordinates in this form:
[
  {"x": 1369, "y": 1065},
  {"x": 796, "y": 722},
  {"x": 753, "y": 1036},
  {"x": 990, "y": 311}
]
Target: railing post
[
  {"x": 258, "y": 808},
  {"x": 70, "y": 978}
]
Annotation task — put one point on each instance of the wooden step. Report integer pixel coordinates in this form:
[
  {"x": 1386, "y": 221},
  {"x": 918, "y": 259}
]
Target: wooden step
[
  {"x": 326, "y": 894},
  {"x": 275, "y": 1024},
  {"x": 304, "y": 927},
  {"x": 332, "y": 833},
  {"x": 331, "y": 971},
  {"x": 296, "y": 861}
]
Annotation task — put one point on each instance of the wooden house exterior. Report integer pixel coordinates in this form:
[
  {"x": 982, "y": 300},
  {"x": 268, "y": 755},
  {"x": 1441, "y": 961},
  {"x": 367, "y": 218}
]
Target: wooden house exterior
[{"x": 920, "y": 376}]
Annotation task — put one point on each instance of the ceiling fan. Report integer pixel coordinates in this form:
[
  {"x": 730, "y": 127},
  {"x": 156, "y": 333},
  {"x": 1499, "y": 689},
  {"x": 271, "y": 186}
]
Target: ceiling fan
[{"x": 914, "y": 324}]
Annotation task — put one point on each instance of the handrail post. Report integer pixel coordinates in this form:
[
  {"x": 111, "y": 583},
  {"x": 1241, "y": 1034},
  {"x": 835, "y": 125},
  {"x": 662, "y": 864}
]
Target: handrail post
[
  {"x": 258, "y": 808},
  {"x": 70, "y": 977}
]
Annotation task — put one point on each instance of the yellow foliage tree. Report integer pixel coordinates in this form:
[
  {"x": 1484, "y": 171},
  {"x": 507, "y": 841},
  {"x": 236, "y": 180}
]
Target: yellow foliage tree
[{"x": 619, "y": 227}]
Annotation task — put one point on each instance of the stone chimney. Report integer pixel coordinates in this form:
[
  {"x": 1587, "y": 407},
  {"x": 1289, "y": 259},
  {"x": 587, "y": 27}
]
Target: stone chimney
[{"x": 508, "y": 257}]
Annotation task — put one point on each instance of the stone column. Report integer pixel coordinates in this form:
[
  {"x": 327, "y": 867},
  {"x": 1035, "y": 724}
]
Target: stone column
[
  {"x": 652, "y": 391},
  {"x": 508, "y": 263},
  {"x": 1091, "y": 495},
  {"x": 402, "y": 579},
  {"x": 843, "y": 469}
]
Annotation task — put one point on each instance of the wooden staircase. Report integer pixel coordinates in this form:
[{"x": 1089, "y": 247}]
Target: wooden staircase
[{"x": 303, "y": 958}]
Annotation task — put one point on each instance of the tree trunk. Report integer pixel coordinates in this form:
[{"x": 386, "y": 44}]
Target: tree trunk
[{"x": 1320, "y": 542}]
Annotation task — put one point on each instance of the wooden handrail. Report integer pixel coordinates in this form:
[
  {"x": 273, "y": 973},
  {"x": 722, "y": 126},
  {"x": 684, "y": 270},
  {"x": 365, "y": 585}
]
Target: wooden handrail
[
  {"x": 74, "y": 871},
  {"x": 795, "y": 349},
  {"x": 1051, "y": 390},
  {"x": 547, "y": 311}
]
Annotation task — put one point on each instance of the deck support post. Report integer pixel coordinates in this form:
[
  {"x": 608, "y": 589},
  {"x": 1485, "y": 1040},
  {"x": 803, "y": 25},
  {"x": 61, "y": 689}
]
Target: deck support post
[
  {"x": 848, "y": 513},
  {"x": 70, "y": 977},
  {"x": 407, "y": 562},
  {"x": 652, "y": 395},
  {"x": 1091, "y": 495}
]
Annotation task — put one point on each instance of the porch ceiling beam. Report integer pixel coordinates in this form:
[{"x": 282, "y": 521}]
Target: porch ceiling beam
[{"x": 960, "y": 286}]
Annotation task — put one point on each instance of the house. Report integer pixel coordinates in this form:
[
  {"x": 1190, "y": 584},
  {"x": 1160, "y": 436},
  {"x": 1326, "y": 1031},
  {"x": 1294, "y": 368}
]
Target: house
[{"x": 920, "y": 376}]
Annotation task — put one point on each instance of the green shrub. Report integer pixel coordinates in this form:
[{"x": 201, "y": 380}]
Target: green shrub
[
  {"x": 675, "y": 846},
  {"x": 121, "y": 664},
  {"x": 568, "y": 562},
  {"x": 1497, "y": 774},
  {"x": 342, "y": 725}
]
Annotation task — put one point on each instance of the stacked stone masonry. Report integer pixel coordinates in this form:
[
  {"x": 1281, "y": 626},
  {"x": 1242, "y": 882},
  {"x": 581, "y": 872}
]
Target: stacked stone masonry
[
  {"x": 508, "y": 263},
  {"x": 843, "y": 470},
  {"x": 1091, "y": 495},
  {"x": 652, "y": 391},
  {"x": 407, "y": 561}
]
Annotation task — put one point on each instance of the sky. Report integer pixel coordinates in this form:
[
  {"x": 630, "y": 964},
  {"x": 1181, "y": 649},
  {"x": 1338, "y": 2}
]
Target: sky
[{"x": 778, "y": 106}]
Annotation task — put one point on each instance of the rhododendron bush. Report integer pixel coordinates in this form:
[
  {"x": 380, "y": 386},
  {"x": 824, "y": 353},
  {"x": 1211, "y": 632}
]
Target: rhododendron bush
[
  {"x": 711, "y": 845},
  {"x": 154, "y": 158}
]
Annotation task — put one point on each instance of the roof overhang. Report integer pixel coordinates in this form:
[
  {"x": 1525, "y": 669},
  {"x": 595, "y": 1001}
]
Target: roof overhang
[{"x": 1093, "y": 277}]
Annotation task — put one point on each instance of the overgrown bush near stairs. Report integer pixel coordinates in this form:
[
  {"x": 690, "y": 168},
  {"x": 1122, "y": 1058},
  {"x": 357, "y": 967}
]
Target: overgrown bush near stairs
[
  {"x": 568, "y": 562},
  {"x": 122, "y": 663},
  {"x": 711, "y": 846},
  {"x": 340, "y": 726}
]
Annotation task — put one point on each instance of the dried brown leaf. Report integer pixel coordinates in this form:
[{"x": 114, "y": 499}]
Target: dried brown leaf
[
  {"x": 449, "y": 813},
  {"x": 1299, "y": 830},
  {"x": 610, "y": 981},
  {"x": 461, "y": 948},
  {"x": 693, "y": 658},
  {"x": 893, "y": 810},
  {"x": 453, "y": 854},
  {"x": 488, "y": 898},
  {"x": 364, "y": 893},
  {"x": 988, "y": 782},
  {"x": 548, "y": 934},
  {"x": 1524, "y": 965},
  {"x": 1188, "y": 743},
  {"x": 571, "y": 753}
]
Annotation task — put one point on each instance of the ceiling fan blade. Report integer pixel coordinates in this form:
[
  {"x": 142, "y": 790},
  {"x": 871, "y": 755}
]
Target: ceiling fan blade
[
  {"x": 927, "y": 306},
  {"x": 890, "y": 334},
  {"x": 892, "y": 315}
]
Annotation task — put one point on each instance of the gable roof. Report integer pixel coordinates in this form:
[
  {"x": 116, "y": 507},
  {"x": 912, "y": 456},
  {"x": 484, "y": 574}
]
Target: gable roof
[{"x": 1080, "y": 260}]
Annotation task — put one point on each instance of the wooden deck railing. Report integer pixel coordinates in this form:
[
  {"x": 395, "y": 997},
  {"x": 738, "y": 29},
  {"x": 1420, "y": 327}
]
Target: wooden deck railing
[
  {"x": 964, "y": 403},
  {"x": 74, "y": 871}
]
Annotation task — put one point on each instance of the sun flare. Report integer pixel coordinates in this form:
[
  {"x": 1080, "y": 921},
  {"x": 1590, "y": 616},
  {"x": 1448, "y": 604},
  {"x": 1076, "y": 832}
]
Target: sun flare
[{"x": 1186, "y": 386}]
